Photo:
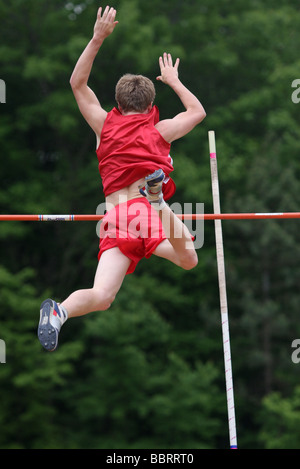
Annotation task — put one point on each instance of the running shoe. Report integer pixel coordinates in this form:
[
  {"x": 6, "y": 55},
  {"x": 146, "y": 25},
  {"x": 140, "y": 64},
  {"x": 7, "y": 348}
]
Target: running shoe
[
  {"x": 52, "y": 317},
  {"x": 153, "y": 188}
]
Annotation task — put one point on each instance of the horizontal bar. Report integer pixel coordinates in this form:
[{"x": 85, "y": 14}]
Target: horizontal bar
[{"x": 186, "y": 216}]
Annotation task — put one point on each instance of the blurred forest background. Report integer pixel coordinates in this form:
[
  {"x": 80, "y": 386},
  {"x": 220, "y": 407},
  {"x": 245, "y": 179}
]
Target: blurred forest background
[{"x": 149, "y": 372}]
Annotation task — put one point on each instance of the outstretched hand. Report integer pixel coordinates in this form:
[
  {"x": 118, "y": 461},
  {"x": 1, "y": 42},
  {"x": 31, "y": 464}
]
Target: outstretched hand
[
  {"x": 105, "y": 23},
  {"x": 169, "y": 72}
]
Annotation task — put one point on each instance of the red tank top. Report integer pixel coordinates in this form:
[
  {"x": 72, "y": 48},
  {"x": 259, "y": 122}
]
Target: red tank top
[{"x": 130, "y": 149}]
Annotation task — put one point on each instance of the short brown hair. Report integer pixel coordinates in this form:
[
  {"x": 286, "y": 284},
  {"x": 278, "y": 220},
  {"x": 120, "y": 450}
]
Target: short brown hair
[{"x": 134, "y": 93}]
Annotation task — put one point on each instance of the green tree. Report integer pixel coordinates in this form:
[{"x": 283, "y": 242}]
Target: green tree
[
  {"x": 30, "y": 380},
  {"x": 280, "y": 421}
]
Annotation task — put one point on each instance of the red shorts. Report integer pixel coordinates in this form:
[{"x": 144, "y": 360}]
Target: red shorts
[{"x": 134, "y": 227}]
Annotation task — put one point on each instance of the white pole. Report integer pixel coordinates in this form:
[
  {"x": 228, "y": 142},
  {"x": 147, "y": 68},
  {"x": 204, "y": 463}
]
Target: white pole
[{"x": 222, "y": 291}]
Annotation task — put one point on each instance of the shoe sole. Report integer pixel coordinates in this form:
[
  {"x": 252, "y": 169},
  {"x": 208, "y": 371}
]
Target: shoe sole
[
  {"x": 155, "y": 177},
  {"x": 47, "y": 334}
]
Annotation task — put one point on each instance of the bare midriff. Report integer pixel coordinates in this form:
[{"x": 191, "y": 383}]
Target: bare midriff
[{"x": 125, "y": 194}]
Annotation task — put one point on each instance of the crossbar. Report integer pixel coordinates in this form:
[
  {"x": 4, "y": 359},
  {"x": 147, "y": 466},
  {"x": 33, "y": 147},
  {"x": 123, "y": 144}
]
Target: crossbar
[{"x": 185, "y": 216}]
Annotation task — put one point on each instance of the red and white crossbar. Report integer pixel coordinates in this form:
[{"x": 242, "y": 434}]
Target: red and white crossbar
[{"x": 184, "y": 216}]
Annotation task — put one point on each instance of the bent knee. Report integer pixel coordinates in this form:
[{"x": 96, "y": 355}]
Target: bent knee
[
  {"x": 103, "y": 298},
  {"x": 189, "y": 261}
]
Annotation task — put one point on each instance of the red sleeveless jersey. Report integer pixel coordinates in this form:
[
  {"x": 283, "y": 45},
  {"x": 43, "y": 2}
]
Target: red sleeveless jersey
[{"x": 130, "y": 149}]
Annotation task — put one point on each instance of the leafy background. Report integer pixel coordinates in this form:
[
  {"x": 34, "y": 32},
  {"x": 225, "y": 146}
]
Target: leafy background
[{"x": 149, "y": 373}]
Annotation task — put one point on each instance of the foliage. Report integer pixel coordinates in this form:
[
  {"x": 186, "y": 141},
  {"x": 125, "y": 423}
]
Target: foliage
[{"x": 280, "y": 421}]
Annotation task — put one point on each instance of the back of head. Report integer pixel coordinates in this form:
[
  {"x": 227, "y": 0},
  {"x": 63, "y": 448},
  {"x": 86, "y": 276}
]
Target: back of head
[{"x": 134, "y": 93}]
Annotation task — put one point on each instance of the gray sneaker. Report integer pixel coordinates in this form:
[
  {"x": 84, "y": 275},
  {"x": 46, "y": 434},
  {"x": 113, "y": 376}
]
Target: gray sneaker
[
  {"x": 153, "y": 187},
  {"x": 52, "y": 318}
]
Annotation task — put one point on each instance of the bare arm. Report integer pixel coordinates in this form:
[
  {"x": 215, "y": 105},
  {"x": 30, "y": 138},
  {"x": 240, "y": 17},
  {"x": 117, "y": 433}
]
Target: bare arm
[
  {"x": 183, "y": 123},
  {"x": 86, "y": 99}
]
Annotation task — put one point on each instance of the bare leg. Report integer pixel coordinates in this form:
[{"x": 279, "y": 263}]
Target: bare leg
[
  {"x": 179, "y": 248},
  {"x": 109, "y": 277}
]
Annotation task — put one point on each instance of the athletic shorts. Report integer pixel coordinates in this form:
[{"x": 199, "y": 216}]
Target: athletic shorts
[{"x": 134, "y": 227}]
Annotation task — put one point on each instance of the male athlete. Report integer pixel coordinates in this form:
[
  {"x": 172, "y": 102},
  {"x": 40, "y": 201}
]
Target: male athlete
[{"x": 133, "y": 149}]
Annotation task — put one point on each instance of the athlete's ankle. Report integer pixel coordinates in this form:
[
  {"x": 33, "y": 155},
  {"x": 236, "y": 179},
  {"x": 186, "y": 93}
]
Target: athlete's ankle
[
  {"x": 64, "y": 313},
  {"x": 158, "y": 204}
]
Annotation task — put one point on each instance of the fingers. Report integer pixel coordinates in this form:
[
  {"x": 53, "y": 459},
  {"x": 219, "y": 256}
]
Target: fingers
[
  {"x": 167, "y": 61},
  {"x": 177, "y": 63},
  {"x": 109, "y": 14}
]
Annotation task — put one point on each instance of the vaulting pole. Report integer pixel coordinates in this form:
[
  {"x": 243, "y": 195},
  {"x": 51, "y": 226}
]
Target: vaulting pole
[{"x": 222, "y": 292}]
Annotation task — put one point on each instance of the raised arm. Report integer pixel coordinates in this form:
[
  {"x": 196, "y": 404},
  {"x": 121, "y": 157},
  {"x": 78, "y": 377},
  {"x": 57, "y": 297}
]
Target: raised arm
[
  {"x": 183, "y": 123},
  {"x": 86, "y": 99}
]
